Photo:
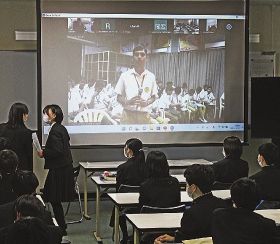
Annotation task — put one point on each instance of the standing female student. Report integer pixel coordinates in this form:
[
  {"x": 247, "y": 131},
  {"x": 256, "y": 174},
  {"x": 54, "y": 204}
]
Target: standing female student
[
  {"x": 17, "y": 136},
  {"x": 59, "y": 185}
]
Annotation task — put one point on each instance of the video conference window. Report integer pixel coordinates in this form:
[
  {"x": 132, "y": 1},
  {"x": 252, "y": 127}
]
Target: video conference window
[{"x": 145, "y": 75}]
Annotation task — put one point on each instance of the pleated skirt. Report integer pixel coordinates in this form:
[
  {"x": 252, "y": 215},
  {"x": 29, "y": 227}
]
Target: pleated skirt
[{"x": 59, "y": 185}]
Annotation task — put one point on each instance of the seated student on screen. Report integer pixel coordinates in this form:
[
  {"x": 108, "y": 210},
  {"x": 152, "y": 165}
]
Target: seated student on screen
[
  {"x": 160, "y": 189},
  {"x": 268, "y": 179},
  {"x": 240, "y": 224},
  {"x": 232, "y": 167},
  {"x": 196, "y": 220}
]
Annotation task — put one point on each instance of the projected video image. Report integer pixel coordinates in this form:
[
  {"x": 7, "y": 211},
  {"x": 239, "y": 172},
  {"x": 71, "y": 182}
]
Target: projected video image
[{"x": 145, "y": 76}]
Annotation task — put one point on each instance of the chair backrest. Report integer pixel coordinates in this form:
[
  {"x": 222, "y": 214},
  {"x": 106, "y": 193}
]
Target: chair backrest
[
  {"x": 205, "y": 240},
  {"x": 128, "y": 188},
  {"x": 217, "y": 185},
  {"x": 150, "y": 209}
]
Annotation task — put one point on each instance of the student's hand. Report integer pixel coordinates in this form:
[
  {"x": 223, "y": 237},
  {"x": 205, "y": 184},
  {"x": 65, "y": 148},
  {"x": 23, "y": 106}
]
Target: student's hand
[
  {"x": 164, "y": 238},
  {"x": 40, "y": 154},
  {"x": 133, "y": 101}
]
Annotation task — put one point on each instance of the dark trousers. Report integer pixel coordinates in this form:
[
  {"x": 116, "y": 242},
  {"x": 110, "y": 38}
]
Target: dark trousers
[{"x": 59, "y": 216}]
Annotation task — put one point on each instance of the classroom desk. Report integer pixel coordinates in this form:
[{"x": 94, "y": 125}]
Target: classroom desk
[
  {"x": 93, "y": 167},
  {"x": 122, "y": 200},
  {"x": 101, "y": 187},
  {"x": 273, "y": 214},
  {"x": 161, "y": 222}
]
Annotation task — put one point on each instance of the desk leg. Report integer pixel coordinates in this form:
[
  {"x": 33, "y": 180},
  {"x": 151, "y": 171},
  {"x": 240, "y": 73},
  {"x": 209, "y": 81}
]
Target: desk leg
[
  {"x": 116, "y": 226},
  {"x": 97, "y": 212},
  {"x": 136, "y": 236},
  {"x": 85, "y": 196}
]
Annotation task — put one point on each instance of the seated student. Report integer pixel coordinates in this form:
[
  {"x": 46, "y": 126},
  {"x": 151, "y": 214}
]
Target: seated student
[
  {"x": 232, "y": 167},
  {"x": 25, "y": 182},
  {"x": 8, "y": 165},
  {"x": 132, "y": 172},
  {"x": 241, "y": 224},
  {"x": 160, "y": 189},
  {"x": 28, "y": 227},
  {"x": 196, "y": 221},
  {"x": 268, "y": 179}
]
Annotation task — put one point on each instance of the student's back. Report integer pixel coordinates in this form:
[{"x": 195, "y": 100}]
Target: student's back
[
  {"x": 132, "y": 172},
  {"x": 268, "y": 182},
  {"x": 196, "y": 221},
  {"x": 229, "y": 169},
  {"x": 239, "y": 225},
  {"x": 128, "y": 173},
  {"x": 161, "y": 192}
]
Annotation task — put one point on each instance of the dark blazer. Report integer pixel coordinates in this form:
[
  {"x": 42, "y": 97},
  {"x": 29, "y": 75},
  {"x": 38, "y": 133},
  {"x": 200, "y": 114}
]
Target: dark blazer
[
  {"x": 229, "y": 170},
  {"x": 7, "y": 215},
  {"x": 268, "y": 182},
  {"x": 20, "y": 141},
  {"x": 160, "y": 192},
  {"x": 57, "y": 152},
  {"x": 196, "y": 221},
  {"x": 129, "y": 173},
  {"x": 6, "y": 189},
  {"x": 241, "y": 226}
]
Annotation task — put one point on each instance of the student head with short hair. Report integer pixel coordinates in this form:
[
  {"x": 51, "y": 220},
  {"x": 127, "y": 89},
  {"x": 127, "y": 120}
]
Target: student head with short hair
[
  {"x": 232, "y": 147},
  {"x": 244, "y": 194},
  {"x": 157, "y": 165},
  {"x": 8, "y": 162},
  {"x": 28, "y": 206},
  {"x": 25, "y": 182},
  {"x": 28, "y": 227},
  {"x": 54, "y": 113},
  {"x": 200, "y": 179},
  {"x": 268, "y": 154}
]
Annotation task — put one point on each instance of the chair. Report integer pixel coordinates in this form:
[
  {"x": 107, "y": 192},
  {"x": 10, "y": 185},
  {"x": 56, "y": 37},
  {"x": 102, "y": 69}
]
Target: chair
[
  {"x": 128, "y": 188},
  {"x": 205, "y": 240},
  {"x": 76, "y": 172},
  {"x": 94, "y": 116},
  {"x": 150, "y": 209}
]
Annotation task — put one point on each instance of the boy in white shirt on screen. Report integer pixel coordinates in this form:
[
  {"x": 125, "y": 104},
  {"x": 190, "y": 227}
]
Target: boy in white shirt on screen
[{"x": 137, "y": 90}]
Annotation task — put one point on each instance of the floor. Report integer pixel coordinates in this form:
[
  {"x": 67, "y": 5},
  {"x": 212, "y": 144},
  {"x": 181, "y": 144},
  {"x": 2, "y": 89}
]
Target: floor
[{"x": 82, "y": 233}]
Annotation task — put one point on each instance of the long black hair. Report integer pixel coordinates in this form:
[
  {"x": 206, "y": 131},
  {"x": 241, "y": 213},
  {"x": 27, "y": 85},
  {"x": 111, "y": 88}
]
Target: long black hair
[
  {"x": 136, "y": 146},
  {"x": 157, "y": 165},
  {"x": 16, "y": 113}
]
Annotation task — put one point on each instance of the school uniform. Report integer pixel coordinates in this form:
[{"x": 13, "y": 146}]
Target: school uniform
[
  {"x": 268, "y": 181},
  {"x": 59, "y": 184},
  {"x": 241, "y": 226},
  {"x": 129, "y": 173},
  {"x": 230, "y": 169},
  {"x": 160, "y": 192},
  {"x": 196, "y": 221},
  {"x": 20, "y": 141}
]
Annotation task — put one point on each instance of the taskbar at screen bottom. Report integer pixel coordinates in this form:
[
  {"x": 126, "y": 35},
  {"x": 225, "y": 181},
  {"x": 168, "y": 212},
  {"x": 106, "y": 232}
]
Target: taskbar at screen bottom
[{"x": 146, "y": 128}]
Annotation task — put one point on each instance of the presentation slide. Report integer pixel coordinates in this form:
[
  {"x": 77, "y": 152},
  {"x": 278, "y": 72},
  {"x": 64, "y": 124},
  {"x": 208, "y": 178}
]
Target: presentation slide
[{"x": 171, "y": 73}]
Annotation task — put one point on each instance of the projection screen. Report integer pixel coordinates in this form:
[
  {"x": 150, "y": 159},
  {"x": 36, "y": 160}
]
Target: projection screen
[{"x": 169, "y": 72}]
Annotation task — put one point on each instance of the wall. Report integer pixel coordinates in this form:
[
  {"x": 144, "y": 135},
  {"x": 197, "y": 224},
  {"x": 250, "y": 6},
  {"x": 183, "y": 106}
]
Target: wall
[{"x": 18, "y": 78}]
